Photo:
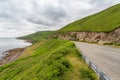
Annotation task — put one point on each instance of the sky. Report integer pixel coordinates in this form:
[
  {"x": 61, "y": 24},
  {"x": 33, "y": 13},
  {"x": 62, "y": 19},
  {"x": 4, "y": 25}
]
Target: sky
[{"x": 22, "y": 17}]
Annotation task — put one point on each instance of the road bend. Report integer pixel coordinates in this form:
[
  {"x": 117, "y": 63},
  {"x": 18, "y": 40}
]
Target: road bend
[{"x": 106, "y": 58}]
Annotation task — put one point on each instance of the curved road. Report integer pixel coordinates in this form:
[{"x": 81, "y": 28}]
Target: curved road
[{"x": 107, "y": 59}]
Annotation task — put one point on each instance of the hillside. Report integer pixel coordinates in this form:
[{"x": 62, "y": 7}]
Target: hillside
[
  {"x": 38, "y": 35},
  {"x": 101, "y": 28},
  {"x": 104, "y": 21},
  {"x": 48, "y": 60}
]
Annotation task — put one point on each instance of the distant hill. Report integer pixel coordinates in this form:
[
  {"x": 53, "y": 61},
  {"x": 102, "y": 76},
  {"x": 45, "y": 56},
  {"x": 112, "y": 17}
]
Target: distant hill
[
  {"x": 38, "y": 35},
  {"x": 104, "y": 21}
]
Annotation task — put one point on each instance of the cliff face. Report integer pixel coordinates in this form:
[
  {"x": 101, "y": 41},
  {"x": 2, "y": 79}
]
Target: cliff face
[{"x": 94, "y": 37}]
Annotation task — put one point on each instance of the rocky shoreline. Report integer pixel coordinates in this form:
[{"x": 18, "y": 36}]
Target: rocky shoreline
[{"x": 11, "y": 55}]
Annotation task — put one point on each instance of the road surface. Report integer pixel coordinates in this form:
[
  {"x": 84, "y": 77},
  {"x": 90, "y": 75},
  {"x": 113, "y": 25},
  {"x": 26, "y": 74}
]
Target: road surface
[{"x": 107, "y": 59}]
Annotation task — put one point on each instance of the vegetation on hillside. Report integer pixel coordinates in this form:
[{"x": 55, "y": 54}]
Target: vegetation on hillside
[
  {"x": 104, "y": 21},
  {"x": 48, "y": 60},
  {"x": 38, "y": 36}
]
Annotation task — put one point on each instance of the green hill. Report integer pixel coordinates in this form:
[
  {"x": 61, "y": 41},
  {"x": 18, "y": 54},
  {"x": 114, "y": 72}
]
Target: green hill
[
  {"x": 48, "y": 60},
  {"x": 104, "y": 21},
  {"x": 38, "y": 35}
]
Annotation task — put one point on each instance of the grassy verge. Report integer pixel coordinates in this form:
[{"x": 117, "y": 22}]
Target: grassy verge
[
  {"x": 112, "y": 45},
  {"x": 48, "y": 60}
]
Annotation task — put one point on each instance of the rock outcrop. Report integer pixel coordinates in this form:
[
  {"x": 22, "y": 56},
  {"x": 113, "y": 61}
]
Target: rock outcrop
[{"x": 94, "y": 37}]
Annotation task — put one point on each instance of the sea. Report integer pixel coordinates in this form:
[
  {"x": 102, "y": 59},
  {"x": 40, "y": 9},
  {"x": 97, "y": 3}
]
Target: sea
[{"x": 10, "y": 43}]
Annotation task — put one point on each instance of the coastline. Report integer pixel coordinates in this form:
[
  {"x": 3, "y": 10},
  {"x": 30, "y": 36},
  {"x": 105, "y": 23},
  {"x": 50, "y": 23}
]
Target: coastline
[
  {"x": 11, "y": 55},
  {"x": 27, "y": 40}
]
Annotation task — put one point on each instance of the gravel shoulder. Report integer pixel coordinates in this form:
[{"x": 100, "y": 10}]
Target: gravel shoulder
[{"x": 105, "y": 58}]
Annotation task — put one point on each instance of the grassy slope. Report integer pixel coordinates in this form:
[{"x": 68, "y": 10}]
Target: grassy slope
[
  {"x": 104, "y": 21},
  {"x": 38, "y": 35},
  {"x": 48, "y": 60}
]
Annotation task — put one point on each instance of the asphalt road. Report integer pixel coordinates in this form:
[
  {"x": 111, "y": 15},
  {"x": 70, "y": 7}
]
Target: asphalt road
[{"x": 106, "y": 58}]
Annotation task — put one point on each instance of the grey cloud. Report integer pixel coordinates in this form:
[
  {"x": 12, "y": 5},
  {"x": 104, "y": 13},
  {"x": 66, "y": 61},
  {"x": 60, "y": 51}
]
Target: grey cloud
[
  {"x": 5, "y": 15},
  {"x": 39, "y": 21},
  {"x": 51, "y": 15},
  {"x": 103, "y": 3},
  {"x": 54, "y": 14}
]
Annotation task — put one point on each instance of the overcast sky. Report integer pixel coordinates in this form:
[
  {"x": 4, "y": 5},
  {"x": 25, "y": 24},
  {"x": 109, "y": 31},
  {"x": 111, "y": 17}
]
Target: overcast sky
[{"x": 21, "y": 17}]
